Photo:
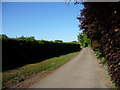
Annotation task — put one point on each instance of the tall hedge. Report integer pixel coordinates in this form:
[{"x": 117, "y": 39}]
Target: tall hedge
[
  {"x": 101, "y": 22},
  {"x": 16, "y": 52}
]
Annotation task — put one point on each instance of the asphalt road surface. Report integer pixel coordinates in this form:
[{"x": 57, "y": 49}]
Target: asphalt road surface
[{"x": 83, "y": 71}]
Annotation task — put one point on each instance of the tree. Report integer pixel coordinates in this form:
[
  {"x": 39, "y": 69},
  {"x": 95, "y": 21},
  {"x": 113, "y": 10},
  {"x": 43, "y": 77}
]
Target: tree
[
  {"x": 27, "y": 38},
  {"x": 101, "y": 22},
  {"x": 58, "y": 41},
  {"x": 3, "y": 36},
  {"x": 82, "y": 38}
]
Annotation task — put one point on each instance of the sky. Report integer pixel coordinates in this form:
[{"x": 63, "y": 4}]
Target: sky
[{"x": 43, "y": 20}]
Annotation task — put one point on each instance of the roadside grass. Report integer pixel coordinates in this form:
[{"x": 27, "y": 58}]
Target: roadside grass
[
  {"x": 102, "y": 58},
  {"x": 21, "y": 73}
]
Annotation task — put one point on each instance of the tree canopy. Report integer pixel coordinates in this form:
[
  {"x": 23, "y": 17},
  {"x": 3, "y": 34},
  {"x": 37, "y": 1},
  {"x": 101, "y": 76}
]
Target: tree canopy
[
  {"x": 101, "y": 21},
  {"x": 83, "y": 39}
]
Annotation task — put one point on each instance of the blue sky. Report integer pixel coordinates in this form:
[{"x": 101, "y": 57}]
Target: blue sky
[{"x": 43, "y": 20}]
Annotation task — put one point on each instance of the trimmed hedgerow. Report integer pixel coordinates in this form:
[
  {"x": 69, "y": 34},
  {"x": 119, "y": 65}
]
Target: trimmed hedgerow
[{"x": 17, "y": 52}]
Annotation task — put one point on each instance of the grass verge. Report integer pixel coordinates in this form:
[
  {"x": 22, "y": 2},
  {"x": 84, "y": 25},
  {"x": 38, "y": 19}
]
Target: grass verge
[
  {"x": 20, "y": 74},
  {"x": 103, "y": 60}
]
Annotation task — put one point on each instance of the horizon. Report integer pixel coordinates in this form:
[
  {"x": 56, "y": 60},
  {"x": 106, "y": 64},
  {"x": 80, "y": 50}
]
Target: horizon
[{"x": 32, "y": 36}]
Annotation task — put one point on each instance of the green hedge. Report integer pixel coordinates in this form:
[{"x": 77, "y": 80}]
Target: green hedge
[{"x": 17, "y": 52}]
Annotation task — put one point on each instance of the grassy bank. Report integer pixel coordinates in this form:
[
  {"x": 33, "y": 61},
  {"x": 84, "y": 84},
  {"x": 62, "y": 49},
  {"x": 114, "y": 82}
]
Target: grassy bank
[{"x": 21, "y": 73}]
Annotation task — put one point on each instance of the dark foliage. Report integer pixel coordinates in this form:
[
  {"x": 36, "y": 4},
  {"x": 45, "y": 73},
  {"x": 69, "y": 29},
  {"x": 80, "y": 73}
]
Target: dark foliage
[
  {"x": 101, "y": 22},
  {"x": 18, "y": 52},
  {"x": 58, "y": 41}
]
